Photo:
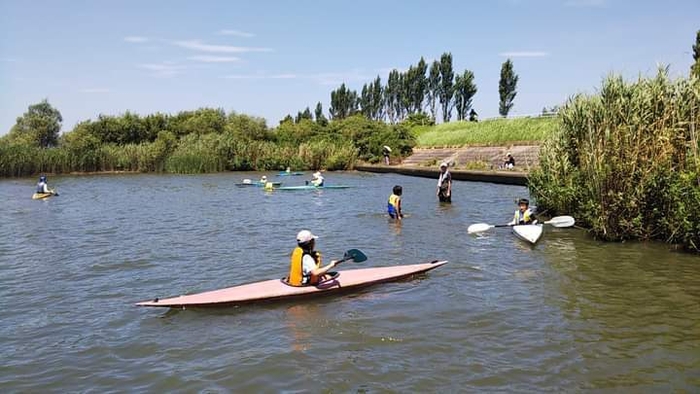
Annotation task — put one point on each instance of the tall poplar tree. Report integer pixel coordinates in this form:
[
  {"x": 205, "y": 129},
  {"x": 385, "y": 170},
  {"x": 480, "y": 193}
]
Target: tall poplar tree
[
  {"x": 446, "y": 90},
  {"x": 433, "y": 88},
  {"x": 465, "y": 89},
  {"x": 507, "y": 88},
  {"x": 695, "y": 68}
]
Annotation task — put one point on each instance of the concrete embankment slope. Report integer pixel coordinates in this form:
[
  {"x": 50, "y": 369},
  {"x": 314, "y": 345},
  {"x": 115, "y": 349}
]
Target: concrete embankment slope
[{"x": 424, "y": 162}]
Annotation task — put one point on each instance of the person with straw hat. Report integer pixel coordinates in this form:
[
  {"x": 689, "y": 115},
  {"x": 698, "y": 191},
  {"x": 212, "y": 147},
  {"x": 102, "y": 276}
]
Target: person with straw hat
[{"x": 444, "y": 185}]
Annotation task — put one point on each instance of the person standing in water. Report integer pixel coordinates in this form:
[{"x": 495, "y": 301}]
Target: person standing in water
[
  {"x": 444, "y": 185},
  {"x": 393, "y": 207}
]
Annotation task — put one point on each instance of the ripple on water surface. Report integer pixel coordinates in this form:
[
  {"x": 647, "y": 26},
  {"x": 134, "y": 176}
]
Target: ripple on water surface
[{"x": 570, "y": 314}]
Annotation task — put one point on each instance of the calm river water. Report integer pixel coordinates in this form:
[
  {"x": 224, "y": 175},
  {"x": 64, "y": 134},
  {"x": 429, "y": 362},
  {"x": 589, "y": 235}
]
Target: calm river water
[{"x": 568, "y": 315}]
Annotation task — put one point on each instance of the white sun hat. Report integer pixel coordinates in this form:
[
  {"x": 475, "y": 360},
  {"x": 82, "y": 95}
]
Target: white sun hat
[
  {"x": 443, "y": 164},
  {"x": 305, "y": 236},
  {"x": 317, "y": 174}
]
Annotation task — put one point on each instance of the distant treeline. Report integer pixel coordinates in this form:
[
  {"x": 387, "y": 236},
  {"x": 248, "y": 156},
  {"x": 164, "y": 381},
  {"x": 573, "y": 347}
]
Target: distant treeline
[
  {"x": 420, "y": 89},
  {"x": 205, "y": 140}
]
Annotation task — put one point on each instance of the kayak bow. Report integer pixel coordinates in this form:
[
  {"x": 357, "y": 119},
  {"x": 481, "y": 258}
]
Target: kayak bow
[
  {"x": 528, "y": 232},
  {"x": 276, "y": 289}
]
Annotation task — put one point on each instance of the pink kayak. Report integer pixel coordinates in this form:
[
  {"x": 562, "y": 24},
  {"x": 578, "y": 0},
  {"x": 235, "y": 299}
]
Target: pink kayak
[{"x": 276, "y": 289}]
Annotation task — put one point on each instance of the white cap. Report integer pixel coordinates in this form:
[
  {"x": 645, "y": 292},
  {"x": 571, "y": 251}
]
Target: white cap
[
  {"x": 317, "y": 174},
  {"x": 443, "y": 164},
  {"x": 264, "y": 177},
  {"x": 305, "y": 236}
]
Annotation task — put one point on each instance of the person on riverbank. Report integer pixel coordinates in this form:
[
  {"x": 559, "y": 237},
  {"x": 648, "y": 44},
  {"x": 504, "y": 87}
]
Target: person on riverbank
[
  {"x": 305, "y": 266},
  {"x": 509, "y": 162},
  {"x": 393, "y": 207},
  {"x": 317, "y": 179},
  {"x": 444, "y": 185},
  {"x": 523, "y": 215},
  {"x": 386, "y": 151},
  {"x": 42, "y": 186}
]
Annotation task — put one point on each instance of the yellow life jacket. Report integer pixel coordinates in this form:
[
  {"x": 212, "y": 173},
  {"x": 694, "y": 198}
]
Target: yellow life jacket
[
  {"x": 296, "y": 274},
  {"x": 393, "y": 204},
  {"x": 526, "y": 218}
]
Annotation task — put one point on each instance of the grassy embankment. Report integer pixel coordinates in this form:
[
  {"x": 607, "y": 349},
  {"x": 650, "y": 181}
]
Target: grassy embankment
[{"x": 493, "y": 132}]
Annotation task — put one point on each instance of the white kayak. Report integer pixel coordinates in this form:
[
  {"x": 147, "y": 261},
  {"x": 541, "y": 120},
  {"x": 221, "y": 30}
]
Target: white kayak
[{"x": 528, "y": 232}]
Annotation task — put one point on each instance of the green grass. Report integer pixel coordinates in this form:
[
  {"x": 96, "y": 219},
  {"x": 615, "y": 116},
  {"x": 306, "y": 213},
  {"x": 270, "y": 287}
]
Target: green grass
[{"x": 486, "y": 133}]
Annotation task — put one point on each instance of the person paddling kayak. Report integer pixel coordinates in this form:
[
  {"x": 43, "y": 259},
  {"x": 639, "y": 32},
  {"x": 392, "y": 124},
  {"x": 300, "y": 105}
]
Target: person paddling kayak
[
  {"x": 317, "y": 179},
  {"x": 523, "y": 215},
  {"x": 305, "y": 266},
  {"x": 444, "y": 185},
  {"x": 42, "y": 186},
  {"x": 263, "y": 179},
  {"x": 393, "y": 207}
]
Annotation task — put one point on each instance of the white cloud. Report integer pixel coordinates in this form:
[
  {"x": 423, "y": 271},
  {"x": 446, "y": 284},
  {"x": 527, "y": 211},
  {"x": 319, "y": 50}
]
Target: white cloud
[
  {"x": 328, "y": 78},
  {"x": 136, "y": 39},
  {"x": 585, "y": 3},
  {"x": 214, "y": 59},
  {"x": 95, "y": 90},
  {"x": 524, "y": 54},
  {"x": 198, "y": 45},
  {"x": 164, "y": 69},
  {"x": 237, "y": 33},
  {"x": 260, "y": 76}
]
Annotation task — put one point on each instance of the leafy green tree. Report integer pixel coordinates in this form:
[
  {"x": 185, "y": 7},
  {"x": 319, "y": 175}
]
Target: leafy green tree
[
  {"x": 377, "y": 93},
  {"x": 392, "y": 96},
  {"x": 465, "y": 89},
  {"x": 446, "y": 89},
  {"x": 433, "y": 88},
  {"x": 39, "y": 126},
  {"x": 343, "y": 102},
  {"x": 304, "y": 115},
  {"x": 507, "y": 88},
  {"x": 695, "y": 68},
  {"x": 320, "y": 118},
  {"x": 419, "y": 86},
  {"x": 287, "y": 119}
]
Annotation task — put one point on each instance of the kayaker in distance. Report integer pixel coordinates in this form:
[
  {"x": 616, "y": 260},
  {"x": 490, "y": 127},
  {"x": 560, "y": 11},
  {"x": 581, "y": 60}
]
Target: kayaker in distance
[
  {"x": 42, "y": 186},
  {"x": 394, "y": 205},
  {"x": 263, "y": 179},
  {"x": 444, "y": 185},
  {"x": 317, "y": 179},
  {"x": 523, "y": 215},
  {"x": 305, "y": 266}
]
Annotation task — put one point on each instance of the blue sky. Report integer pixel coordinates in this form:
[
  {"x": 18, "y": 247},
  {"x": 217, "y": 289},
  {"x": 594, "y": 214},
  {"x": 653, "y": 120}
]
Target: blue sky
[{"x": 270, "y": 58}]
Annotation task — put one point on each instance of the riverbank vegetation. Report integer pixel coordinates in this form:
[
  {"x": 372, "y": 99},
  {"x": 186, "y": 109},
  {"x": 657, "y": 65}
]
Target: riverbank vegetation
[
  {"x": 205, "y": 140},
  {"x": 491, "y": 132},
  {"x": 626, "y": 161}
]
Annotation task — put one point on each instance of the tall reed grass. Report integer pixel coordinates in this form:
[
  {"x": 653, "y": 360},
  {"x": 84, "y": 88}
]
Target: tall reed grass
[{"x": 625, "y": 161}]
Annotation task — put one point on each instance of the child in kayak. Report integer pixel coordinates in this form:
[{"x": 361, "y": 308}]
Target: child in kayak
[
  {"x": 523, "y": 215},
  {"x": 393, "y": 207},
  {"x": 305, "y": 265},
  {"x": 42, "y": 186},
  {"x": 317, "y": 179}
]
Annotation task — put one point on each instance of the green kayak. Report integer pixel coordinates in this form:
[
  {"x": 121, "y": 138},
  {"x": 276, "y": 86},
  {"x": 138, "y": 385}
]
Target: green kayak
[
  {"x": 311, "y": 187},
  {"x": 258, "y": 184}
]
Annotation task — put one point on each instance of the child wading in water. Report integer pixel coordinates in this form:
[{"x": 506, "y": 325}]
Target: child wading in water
[{"x": 393, "y": 207}]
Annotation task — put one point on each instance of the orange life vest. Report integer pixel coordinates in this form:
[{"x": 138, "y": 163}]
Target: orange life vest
[{"x": 296, "y": 275}]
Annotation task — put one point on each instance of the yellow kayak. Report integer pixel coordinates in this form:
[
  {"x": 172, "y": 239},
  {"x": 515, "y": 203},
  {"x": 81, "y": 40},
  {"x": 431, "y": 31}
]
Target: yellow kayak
[{"x": 41, "y": 196}]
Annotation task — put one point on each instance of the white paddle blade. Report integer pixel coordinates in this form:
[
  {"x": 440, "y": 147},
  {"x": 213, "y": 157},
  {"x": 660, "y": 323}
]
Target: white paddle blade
[
  {"x": 561, "y": 221},
  {"x": 478, "y": 227}
]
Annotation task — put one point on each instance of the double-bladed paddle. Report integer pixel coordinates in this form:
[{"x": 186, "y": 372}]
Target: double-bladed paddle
[{"x": 557, "y": 221}]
